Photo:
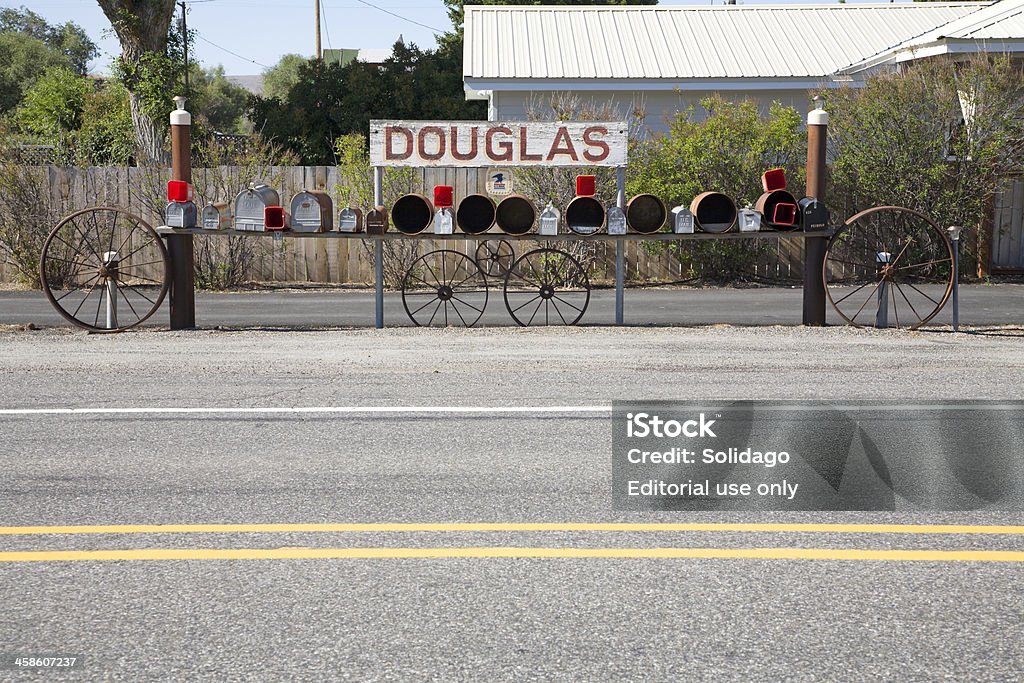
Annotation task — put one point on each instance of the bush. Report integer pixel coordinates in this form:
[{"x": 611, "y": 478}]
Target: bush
[
  {"x": 936, "y": 138},
  {"x": 726, "y": 152}
]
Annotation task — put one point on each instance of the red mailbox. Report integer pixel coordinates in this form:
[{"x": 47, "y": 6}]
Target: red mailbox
[
  {"x": 179, "y": 191},
  {"x": 274, "y": 218},
  {"x": 586, "y": 185},
  {"x": 444, "y": 197}
]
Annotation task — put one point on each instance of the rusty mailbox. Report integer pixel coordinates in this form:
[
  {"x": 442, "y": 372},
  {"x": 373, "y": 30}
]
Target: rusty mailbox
[
  {"x": 377, "y": 221},
  {"x": 312, "y": 211},
  {"x": 251, "y": 206},
  {"x": 216, "y": 216}
]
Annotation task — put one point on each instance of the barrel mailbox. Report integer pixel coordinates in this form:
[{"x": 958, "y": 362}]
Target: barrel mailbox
[
  {"x": 216, "y": 216},
  {"x": 646, "y": 214},
  {"x": 251, "y": 205},
  {"x": 377, "y": 221},
  {"x": 515, "y": 215},
  {"x": 476, "y": 214},
  {"x": 350, "y": 220},
  {"x": 778, "y": 208},
  {"x": 312, "y": 212},
  {"x": 412, "y": 213},
  {"x": 713, "y": 212},
  {"x": 182, "y": 215},
  {"x": 585, "y": 215}
]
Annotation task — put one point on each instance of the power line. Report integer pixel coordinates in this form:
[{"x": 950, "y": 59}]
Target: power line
[
  {"x": 219, "y": 47},
  {"x": 327, "y": 26},
  {"x": 399, "y": 16}
]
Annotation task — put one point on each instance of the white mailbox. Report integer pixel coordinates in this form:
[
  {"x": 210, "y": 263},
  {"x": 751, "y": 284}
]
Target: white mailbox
[{"x": 549, "y": 220}]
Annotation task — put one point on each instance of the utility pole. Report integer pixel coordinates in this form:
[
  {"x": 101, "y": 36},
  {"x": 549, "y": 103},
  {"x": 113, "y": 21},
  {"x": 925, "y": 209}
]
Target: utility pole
[
  {"x": 319, "y": 52},
  {"x": 184, "y": 39}
]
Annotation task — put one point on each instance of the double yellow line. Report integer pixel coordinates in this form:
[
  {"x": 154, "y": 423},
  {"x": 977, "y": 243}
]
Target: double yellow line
[{"x": 841, "y": 554}]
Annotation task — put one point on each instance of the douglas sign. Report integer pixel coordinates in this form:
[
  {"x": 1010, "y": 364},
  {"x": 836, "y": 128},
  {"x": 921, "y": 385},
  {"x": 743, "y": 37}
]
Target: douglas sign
[{"x": 490, "y": 143}]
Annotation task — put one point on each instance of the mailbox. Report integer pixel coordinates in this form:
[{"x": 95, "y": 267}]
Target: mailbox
[
  {"x": 515, "y": 215},
  {"x": 813, "y": 214},
  {"x": 616, "y": 221},
  {"x": 549, "y": 221},
  {"x": 377, "y": 221},
  {"x": 646, "y": 214},
  {"x": 476, "y": 214},
  {"x": 275, "y": 218},
  {"x": 584, "y": 215},
  {"x": 586, "y": 185},
  {"x": 713, "y": 212},
  {"x": 750, "y": 220},
  {"x": 444, "y": 196},
  {"x": 179, "y": 191},
  {"x": 775, "y": 179},
  {"x": 182, "y": 215},
  {"x": 444, "y": 221},
  {"x": 350, "y": 220},
  {"x": 778, "y": 208},
  {"x": 250, "y": 206},
  {"x": 682, "y": 221},
  {"x": 412, "y": 213},
  {"x": 312, "y": 212},
  {"x": 215, "y": 216}
]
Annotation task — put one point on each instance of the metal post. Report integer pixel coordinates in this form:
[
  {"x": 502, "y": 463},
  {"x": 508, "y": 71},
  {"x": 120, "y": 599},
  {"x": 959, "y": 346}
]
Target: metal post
[
  {"x": 814, "y": 247},
  {"x": 180, "y": 247},
  {"x": 954, "y": 235},
  {"x": 110, "y": 263},
  {"x": 882, "y": 260},
  {"x": 378, "y": 250},
  {"x": 620, "y": 250}
]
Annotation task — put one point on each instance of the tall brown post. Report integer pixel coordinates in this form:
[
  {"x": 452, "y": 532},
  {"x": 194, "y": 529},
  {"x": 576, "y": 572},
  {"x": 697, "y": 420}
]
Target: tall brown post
[
  {"x": 814, "y": 247},
  {"x": 180, "y": 247}
]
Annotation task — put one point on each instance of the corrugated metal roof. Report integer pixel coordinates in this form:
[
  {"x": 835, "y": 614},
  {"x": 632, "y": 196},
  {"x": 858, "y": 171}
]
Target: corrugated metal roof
[
  {"x": 996, "y": 26},
  {"x": 1003, "y": 20},
  {"x": 687, "y": 42}
]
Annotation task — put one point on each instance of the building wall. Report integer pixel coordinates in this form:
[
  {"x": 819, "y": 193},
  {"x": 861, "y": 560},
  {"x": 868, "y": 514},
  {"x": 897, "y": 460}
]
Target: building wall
[{"x": 659, "y": 105}]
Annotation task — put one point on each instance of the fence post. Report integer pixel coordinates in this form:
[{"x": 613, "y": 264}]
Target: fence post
[
  {"x": 814, "y": 247},
  {"x": 180, "y": 247}
]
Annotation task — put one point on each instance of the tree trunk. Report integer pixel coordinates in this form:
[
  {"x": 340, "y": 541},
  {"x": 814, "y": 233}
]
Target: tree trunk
[{"x": 141, "y": 27}]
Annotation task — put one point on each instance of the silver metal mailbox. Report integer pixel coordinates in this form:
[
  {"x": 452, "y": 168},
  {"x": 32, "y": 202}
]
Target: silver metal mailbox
[
  {"x": 616, "y": 221},
  {"x": 215, "y": 216},
  {"x": 312, "y": 211},
  {"x": 182, "y": 215},
  {"x": 350, "y": 220},
  {"x": 682, "y": 221},
  {"x": 250, "y": 205}
]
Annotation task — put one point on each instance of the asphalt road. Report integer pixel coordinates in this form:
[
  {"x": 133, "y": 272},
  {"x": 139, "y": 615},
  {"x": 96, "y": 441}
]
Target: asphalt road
[
  {"x": 447, "y": 617},
  {"x": 1000, "y": 304}
]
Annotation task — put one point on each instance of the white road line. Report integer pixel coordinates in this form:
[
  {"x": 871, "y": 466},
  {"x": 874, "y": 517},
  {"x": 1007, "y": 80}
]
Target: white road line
[{"x": 432, "y": 410}]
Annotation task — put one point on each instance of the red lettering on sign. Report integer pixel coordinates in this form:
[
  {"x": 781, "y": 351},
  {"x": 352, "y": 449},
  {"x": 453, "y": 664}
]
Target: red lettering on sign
[
  {"x": 431, "y": 130},
  {"x": 562, "y": 145},
  {"x": 472, "y": 144},
  {"x": 389, "y": 150},
  {"x": 505, "y": 145},
  {"x": 523, "y": 155},
  {"x": 590, "y": 141}
]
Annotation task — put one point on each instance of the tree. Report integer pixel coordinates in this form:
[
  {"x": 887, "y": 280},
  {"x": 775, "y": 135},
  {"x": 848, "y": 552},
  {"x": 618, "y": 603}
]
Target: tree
[
  {"x": 23, "y": 59},
  {"x": 217, "y": 102},
  {"x": 67, "y": 39},
  {"x": 279, "y": 79},
  {"x": 330, "y": 100},
  {"x": 146, "y": 67},
  {"x": 52, "y": 108}
]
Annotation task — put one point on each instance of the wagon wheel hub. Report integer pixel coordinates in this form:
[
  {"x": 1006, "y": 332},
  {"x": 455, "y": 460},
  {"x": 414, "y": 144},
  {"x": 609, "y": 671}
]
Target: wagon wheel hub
[
  {"x": 547, "y": 291},
  {"x": 445, "y": 293}
]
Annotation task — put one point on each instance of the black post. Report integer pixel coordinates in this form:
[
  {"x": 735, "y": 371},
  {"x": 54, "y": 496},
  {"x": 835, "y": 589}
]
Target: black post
[
  {"x": 180, "y": 247},
  {"x": 814, "y": 247}
]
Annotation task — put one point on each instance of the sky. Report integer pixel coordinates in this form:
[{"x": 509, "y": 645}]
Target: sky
[{"x": 246, "y": 36}]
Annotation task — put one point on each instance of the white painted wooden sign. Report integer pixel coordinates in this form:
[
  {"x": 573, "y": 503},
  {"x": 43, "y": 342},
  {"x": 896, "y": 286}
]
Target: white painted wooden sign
[{"x": 492, "y": 143}]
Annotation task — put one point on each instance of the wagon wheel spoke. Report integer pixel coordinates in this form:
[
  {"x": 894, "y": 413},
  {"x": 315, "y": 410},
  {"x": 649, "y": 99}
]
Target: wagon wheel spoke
[{"x": 559, "y": 278}]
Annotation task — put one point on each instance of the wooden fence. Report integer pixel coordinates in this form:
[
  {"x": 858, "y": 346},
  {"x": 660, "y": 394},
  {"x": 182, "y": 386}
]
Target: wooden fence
[{"x": 343, "y": 261}]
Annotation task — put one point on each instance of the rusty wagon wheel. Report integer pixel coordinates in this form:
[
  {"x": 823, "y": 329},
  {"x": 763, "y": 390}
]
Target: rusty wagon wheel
[
  {"x": 444, "y": 287},
  {"x": 495, "y": 257},
  {"x": 888, "y": 266},
  {"x": 104, "y": 269},
  {"x": 547, "y": 287}
]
